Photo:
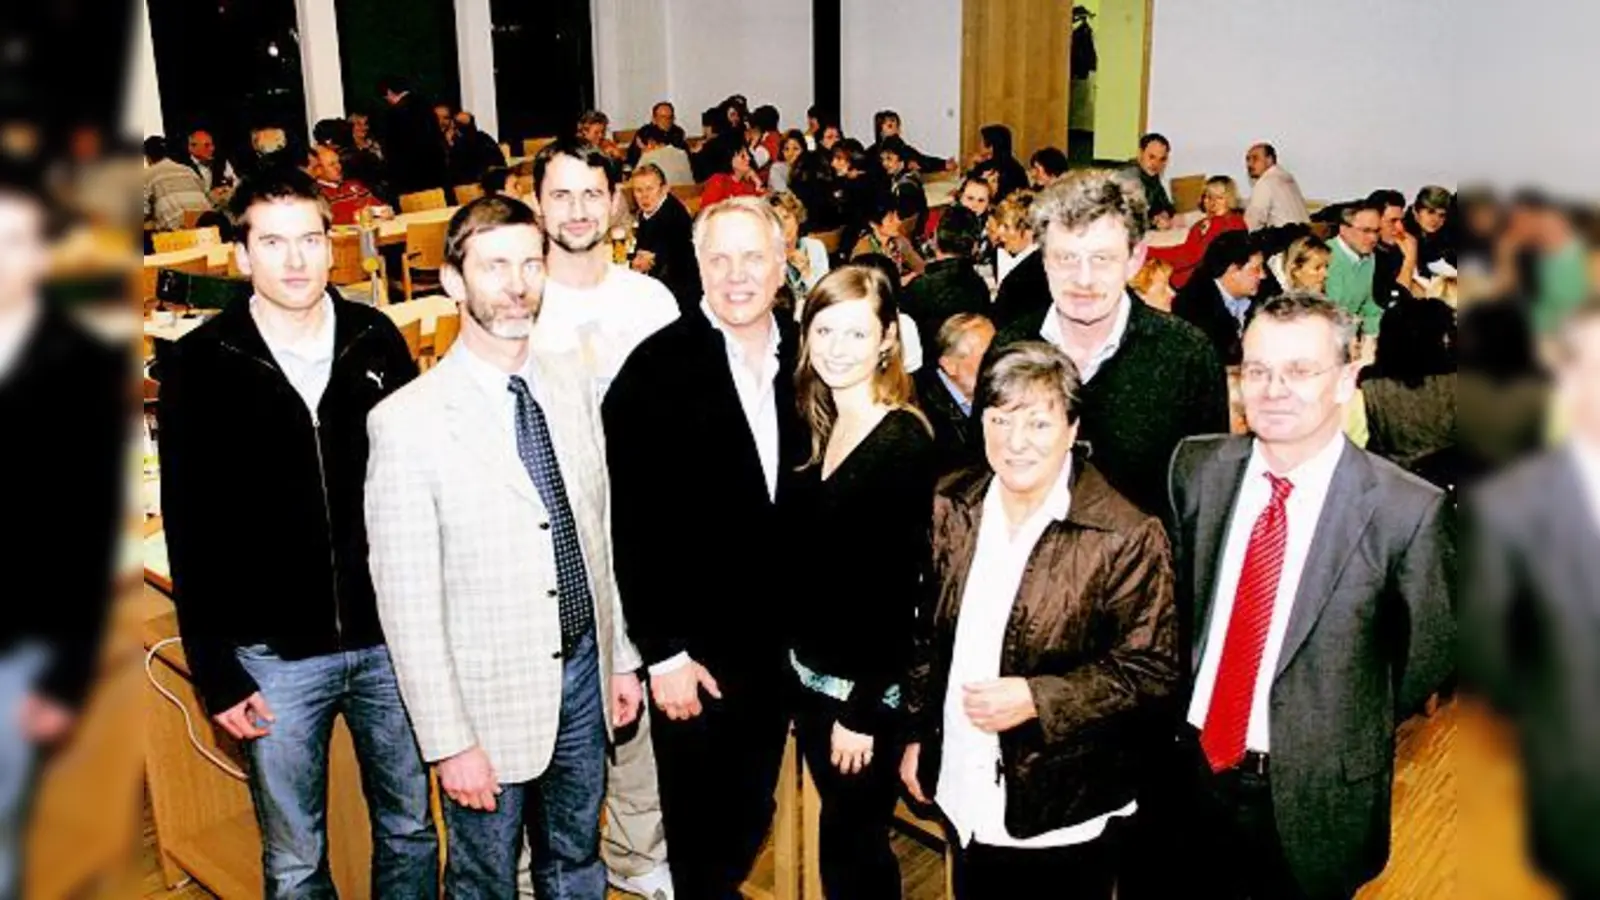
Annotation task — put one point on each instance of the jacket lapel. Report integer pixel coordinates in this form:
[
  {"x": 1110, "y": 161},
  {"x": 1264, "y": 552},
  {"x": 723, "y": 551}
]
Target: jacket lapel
[
  {"x": 1338, "y": 532},
  {"x": 1219, "y": 494},
  {"x": 470, "y": 418}
]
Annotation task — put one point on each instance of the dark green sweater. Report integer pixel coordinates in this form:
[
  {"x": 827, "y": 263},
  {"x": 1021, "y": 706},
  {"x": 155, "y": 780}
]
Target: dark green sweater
[{"x": 1163, "y": 384}]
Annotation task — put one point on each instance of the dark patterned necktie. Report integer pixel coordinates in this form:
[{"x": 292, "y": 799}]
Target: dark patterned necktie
[{"x": 539, "y": 458}]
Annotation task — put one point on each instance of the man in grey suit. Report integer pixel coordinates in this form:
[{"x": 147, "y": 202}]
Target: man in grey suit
[
  {"x": 1531, "y": 606},
  {"x": 1318, "y": 580},
  {"x": 490, "y": 552}
]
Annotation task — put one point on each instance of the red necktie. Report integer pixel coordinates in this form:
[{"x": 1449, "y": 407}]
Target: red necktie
[{"x": 1228, "y": 719}]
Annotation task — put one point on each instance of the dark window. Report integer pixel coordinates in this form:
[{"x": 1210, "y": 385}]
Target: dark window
[
  {"x": 411, "y": 38},
  {"x": 543, "y": 67}
]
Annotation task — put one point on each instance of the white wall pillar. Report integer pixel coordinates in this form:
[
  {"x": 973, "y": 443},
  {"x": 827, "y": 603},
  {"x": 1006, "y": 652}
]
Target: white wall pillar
[
  {"x": 475, "y": 56},
  {"x": 141, "y": 103},
  {"x": 319, "y": 60}
]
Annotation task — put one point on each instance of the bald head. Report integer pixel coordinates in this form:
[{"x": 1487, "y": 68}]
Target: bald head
[{"x": 328, "y": 166}]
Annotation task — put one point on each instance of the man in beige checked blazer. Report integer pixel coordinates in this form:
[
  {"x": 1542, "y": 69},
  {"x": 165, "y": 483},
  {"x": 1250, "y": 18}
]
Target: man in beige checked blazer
[{"x": 487, "y": 520}]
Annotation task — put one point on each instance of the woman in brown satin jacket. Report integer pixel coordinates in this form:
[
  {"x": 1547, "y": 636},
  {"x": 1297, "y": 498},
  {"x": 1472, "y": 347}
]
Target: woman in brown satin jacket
[{"x": 1041, "y": 673}]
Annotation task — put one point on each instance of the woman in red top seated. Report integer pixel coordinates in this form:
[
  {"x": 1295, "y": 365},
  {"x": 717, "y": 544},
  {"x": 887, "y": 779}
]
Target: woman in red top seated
[
  {"x": 741, "y": 182},
  {"x": 1220, "y": 202}
]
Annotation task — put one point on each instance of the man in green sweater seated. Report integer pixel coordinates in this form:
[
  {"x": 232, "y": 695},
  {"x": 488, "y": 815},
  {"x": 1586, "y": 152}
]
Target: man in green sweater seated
[{"x": 1352, "y": 265}]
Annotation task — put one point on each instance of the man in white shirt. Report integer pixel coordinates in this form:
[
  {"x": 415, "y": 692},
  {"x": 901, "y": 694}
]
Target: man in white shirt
[
  {"x": 1275, "y": 198},
  {"x": 1322, "y": 581},
  {"x": 217, "y": 175},
  {"x": 703, "y": 442},
  {"x": 597, "y": 312}
]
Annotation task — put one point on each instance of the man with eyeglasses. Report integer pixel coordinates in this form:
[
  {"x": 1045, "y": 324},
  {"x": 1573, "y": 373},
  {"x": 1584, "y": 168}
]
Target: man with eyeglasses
[
  {"x": 1353, "y": 266},
  {"x": 1322, "y": 582}
]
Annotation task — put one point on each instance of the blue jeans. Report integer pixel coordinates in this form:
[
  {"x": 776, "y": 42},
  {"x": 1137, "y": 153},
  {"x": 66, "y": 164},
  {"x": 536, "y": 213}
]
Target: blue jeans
[
  {"x": 289, "y": 773},
  {"x": 19, "y": 667},
  {"x": 560, "y": 809}
]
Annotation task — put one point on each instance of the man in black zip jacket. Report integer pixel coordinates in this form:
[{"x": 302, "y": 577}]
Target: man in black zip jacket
[{"x": 262, "y": 416}]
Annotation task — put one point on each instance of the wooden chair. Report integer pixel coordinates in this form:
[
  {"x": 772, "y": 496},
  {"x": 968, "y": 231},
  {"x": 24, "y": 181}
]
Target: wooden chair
[
  {"x": 421, "y": 200},
  {"x": 346, "y": 260},
  {"x": 830, "y": 240},
  {"x": 532, "y": 146},
  {"x": 168, "y": 241},
  {"x": 689, "y": 194},
  {"x": 1187, "y": 191},
  {"x": 412, "y": 332},
  {"x": 624, "y": 137},
  {"x": 191, "y": 217},
  {"x": 466, "y": 193},
  {"x": 424, "y": 257},
  {"x": 445, "y": 331}
]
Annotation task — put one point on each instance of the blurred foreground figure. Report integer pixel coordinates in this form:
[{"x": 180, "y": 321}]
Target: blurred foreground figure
[
  {"x": 62, "y": 403},
  {"x": 1531, "y": 620}
]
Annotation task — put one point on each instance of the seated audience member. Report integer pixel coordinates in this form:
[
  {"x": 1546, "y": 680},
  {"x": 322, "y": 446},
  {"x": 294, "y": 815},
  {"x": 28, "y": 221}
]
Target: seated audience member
[
  {"x": 671, "y": 159},
  {"x": 832, "y": 136},
  {"x": 1395, "y": 255},
  {"x": 363, "y": 158},
  {"x": 1410, "y": 389},
  {"x": 709, "y": 154},
  {"x": 861, "y": 505},
  {"x": 333, "y": 133},
  {"x": 1033, "y": 740},
  {"x": 813, "y": 129},
  {"x": 215, "y": 172},
  {"x": 902, "y": 181},
  {"x": 346, "y": 196},
  {"x": 949, "y": 284},
  {"x": 1429, "y": 221},
  {"x": 170, "y": 188},
  {"x": 1153, "y": 285},
  {"x": 761, "y": 136},
  {"x": 1023, "y": 287},
  {"x": 975, "y": 195},
  {"x": 791, "y": 158},
  {"x": 664, "y": 119},
  {"x": 1151, "y": 163},
  {"x": 593, "y": 129},
  {"x": 664, "y": 238},
  {"x": 883, "y": 237},
  {"x": 361, "y": 137},
  {"x": 1220, "y": 203},
  {"x": 945, "y": 389},
  {"x": 1275, "y": 198},
  {"x": 472, "y": 152},
  {"x": 1045, "y": 166},
  {"x": 1352, "y": 267},
  {"x": 994, "y": 149},
  {"x": 739, "y": 180},
  {"x": 1219, "y": 299},
  {"x": 806, "y": 260},
  {"x": 853, "y": 190},
  {"x": 1303, "y": 266},
  {"x": 497, "y": 181},
  {"x": 886, "y": 125}
]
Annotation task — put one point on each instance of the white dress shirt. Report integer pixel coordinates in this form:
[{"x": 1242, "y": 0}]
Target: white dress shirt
[
  {"x": 602, "y": 323},
  {"x": 759, "y": 402},
  {"x": 1050, "y": 331},
  {"x": 1275, "y": 200},
  {"x": 496, "y": 385},
  {"x": 15, "y": 335},
  {"x": 1004, "y": 262},
  {"x": 1304, "y": 506},
  {"x": 308, "y": 362},
  {"x": 971, "y": 789}
]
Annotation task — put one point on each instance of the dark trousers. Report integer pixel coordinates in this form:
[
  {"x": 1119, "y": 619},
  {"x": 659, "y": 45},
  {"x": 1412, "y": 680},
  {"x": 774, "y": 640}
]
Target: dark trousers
[
  {"x": 857, "y": 861},
  {"x": 717, "y": 773},
  {"x": 559, "y": 811},
  {"x": 1077, "y": 872}
]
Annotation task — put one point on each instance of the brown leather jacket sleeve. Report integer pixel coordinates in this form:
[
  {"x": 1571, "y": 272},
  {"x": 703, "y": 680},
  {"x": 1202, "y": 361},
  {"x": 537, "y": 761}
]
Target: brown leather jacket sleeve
[{"x": 1141, "y": 666}]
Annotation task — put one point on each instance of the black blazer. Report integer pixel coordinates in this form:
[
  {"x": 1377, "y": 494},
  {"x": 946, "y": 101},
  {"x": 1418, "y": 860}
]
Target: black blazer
[
  {"x": 957, "y": 437},
  {"x": 265, "y": 509},
  {"x": 669, "y": 234},
  {"x": 1200, "y": 304},
  {"x": 1531, "y": 602},
  {"x": 696, "y": 540},
  {"x": 1371, "y": 635},
  {"x": 1024, "y": 292},
  {"x": 66, "y": 404},
  {"x": 946, "y": 287}
]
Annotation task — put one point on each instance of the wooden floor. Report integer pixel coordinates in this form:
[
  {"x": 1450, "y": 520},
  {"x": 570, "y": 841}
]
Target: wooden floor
[{"x": 1430, "y": 846}]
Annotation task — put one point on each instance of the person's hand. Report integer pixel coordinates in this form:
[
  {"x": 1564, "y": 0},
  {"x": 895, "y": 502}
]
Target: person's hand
[
  {"x": 643, "y": 261},
  {"x": 1407, "y": 243},
  {"x": 908, "y": 772},
  {"x": 468, "y": 779},
  {"x": 44, "y": 721},
  {"x": 240, "y": 720},
  {"x": 908, "y": 277},
  {"x": 1162, "y": 221},
  {"x": 852, "y": 752},
  {"x": 998, "y": 705},
  {"x": 626, "y": 697},
  {"x": 677, "y": 692}
]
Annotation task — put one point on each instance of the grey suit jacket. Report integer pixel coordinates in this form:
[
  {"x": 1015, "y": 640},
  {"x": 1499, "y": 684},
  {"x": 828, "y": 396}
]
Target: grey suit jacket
[
  {"x": 1531, "y": 638},
  {"x": 1370, "y": 636},
  {"x": 465, "y": 571}
]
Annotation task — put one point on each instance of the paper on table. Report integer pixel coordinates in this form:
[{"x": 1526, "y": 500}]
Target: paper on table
[{"x": 1440, "y": 267}]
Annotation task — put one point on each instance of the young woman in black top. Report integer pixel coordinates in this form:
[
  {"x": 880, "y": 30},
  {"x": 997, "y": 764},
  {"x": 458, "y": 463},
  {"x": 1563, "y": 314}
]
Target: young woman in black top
[{"x": 863, "y": 518}]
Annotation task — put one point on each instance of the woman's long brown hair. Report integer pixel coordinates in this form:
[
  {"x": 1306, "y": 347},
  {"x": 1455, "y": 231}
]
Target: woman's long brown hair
[{"x": 891, "y": 384}]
